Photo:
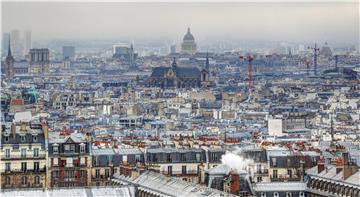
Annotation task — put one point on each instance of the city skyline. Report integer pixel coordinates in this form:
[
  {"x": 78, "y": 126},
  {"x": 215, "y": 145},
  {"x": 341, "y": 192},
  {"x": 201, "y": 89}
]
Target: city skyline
[{"x": 336, "y": 23}]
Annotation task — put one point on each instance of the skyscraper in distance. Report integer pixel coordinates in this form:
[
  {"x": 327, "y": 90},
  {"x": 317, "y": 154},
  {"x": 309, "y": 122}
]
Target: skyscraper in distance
[{"x": 27, "y": 42}]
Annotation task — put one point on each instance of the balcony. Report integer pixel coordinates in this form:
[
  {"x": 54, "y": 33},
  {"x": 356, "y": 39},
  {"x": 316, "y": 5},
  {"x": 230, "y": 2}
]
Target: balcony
[
  {"x": 24, "y": 157},
  {"x": 264, "y": 172},
  {"x": 180, "y": 173},
  {"x": 40, "y": 170},
  {"x": 284, "y": 178}
]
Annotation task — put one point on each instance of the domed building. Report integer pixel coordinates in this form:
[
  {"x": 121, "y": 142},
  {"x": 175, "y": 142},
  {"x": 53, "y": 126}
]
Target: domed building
[{"x": 188, "y": 45}]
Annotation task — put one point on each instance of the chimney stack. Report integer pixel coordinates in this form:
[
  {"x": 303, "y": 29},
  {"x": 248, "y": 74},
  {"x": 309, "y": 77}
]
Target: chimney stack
[
  {"x": 234, "y": 183},
  {"x": 321, "y": 164},
  {"x": 349, "y": 167},
  {"x": 13, "y": 129}
]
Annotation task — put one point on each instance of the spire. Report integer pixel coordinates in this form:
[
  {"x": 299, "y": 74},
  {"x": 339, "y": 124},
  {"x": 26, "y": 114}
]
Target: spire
[
  {"x": 207, "y": 64},
  {"x": 174, "y": 65},
  {"x": 9, "y": 49}
]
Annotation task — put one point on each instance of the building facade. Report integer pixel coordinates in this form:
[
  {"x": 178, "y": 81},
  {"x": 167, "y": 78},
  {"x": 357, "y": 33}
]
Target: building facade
[
  {"x": 178, "y": 77},
  {"x": 39, "y": 61},
  {"x": 9, "y": 64},
  {"x": 69, "y": 160},
  {"x": 23, "y": 155},
  {"x": 188, "y": 45}
]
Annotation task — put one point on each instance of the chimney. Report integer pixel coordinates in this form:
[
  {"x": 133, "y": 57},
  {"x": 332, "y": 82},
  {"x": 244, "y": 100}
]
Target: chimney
[
  {"x": 321, "y": 164},
  {"x": 13, "y": 129},
  {"x": 45, "y": 129},
  {"x": 234, "y": 183},
  {"x": 349, "y": 167},
  {"x": 23, "y": 126},
  {"x": 302, "y": 167}
]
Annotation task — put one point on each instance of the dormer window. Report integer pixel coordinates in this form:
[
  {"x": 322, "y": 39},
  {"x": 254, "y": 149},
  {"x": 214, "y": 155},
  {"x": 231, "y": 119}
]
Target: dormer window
[
  {"x": 82, "y": 148},
  {"x": 35, "y": 138},
  {"x": 55, "y": 148},
  {"x": 23, "y": 138},
  {"x": 6, "y": 138}
]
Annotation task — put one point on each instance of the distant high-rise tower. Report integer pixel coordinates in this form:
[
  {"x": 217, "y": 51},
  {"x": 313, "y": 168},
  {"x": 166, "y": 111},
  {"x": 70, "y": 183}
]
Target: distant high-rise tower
[
  {"x": 27, "y": 42},
  {"x": 132, "y": 58},
  {"x": 17, "y": 45},
  {"x": 68, "y": 52},
  {"x": 39, "y": 61},
  {"x": 188, "y": 45},
  {"x": 5, "y": 43},
  {"x": 9, "y": 64}
]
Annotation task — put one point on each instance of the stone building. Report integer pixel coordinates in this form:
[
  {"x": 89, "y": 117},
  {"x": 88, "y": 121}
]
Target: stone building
[
  {"x": 9, "y": 64},
  {"x": 188, "y": 46},
  {"x": 23, "y": 153},
  {"x": 338, "y": 179},
  {"x": 178, "y": 77},
  {"x": 69, "y": 160},
  {"x": 39, "y": 61}
]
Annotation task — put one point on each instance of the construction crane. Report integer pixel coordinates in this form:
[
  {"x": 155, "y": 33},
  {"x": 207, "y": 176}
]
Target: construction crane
[
  {"x": 316, "y": 51},
  {"x": 250, "y": 71}
]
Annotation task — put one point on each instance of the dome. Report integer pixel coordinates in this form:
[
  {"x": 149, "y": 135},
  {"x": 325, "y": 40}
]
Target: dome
[{"x": 188, "y": 36}]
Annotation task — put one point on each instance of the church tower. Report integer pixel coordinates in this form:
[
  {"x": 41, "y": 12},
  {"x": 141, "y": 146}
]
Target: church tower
[
  {"x": 206, "y": 71},
  {"x": 9, "y": 64}
]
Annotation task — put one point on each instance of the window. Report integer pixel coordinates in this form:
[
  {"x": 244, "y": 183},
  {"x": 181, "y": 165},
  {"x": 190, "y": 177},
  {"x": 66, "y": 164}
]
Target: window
[
  {"x": 67, "y": 147},
  {"x": 82, "y": 161},
  {"x": 37, "y": 180},
  {"x": 83, "y": 173},
  {"x": 23, "y": 152},
  {"x": 8, "y": 166},
  {"x": 289, "y": 173},
  {"x": 302, "y": 194},
  {"x": 276, "y": 194},
  {"x": 183, "y": 158},
  {"x": 35, "y": 138},
  {"x": 275, "y": 174},
  {"x": 82, "y": 148},
  {"x": 23, "y": 138},
  {"x": 7, "y": 153},
  {"x": 6, "y": 138},
  {"x": 7, "y": 180},
  {"x": 263, "y": 194},
  {"x": 24, "y": 180},
  {"x": 259, "y": 179},
  {"x": 36, "y": 166},
  {"x": 137, "y": 158},
  {"x": 69, "y": 162},
  {"x": 288, "y": 194},
  {"x": 273, "y": 161},
  {"x": 55, "y": 149},
  {"x": 72, "y": 147},
  {"x": 197, "y": 156},
  {"x": 55, "y": 161},
  {"x": 168, "y": 158},
  {"x": 170, "y": 170},
  {"x": 183, "y": 169},
  {"x": 36, "y": 152},
  {"x": 107, "y": 173},
  {"x": 23, "y": 166},
  {"x": 97, "y": 173}
]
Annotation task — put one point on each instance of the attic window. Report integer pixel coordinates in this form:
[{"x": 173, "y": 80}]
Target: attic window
[
  {"x": 35, "y": 138},
  {"x": 23, "y": 138},
  {"x": 6, "y": 138}
]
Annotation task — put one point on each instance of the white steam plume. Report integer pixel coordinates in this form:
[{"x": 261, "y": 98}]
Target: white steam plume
[{"x": 236, "y": 162}]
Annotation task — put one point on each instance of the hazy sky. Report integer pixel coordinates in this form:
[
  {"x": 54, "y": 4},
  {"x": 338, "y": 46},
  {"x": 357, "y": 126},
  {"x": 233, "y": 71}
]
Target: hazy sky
[{"x": 320, "y": 22}]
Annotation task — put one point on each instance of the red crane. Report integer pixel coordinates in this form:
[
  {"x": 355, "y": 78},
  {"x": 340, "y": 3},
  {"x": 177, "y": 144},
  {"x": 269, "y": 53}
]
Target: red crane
[{"x": 250, "y": 71}]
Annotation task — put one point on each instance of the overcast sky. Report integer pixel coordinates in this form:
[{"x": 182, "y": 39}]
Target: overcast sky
[{"x": 299, "y": 22}]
